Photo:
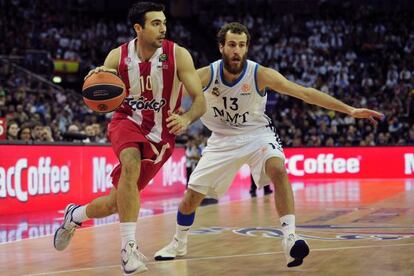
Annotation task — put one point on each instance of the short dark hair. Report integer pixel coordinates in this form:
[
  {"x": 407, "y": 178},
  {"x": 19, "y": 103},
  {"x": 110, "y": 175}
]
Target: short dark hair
[
  {"x": 138, "y": 10},
  {"x": 233, "y": 27}
]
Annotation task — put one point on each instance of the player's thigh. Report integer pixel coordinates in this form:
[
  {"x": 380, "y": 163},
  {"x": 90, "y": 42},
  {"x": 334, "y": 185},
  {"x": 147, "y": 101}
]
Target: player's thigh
[
  {"x": 262, "y": 160},
  {"x": 215, "y": 172}
]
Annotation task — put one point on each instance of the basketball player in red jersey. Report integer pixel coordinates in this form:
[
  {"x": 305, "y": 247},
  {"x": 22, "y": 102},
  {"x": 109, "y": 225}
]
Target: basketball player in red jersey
[{"x": 142, "y": 131}]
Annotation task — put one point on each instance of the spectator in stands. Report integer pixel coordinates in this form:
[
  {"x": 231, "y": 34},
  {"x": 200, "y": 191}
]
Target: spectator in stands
[
  {"x": 20, "y": 115},
  {"x": 12, "y": 131},
  {"x": 37, "y": 131},
  {"x": 99, "y": 134},
  {"x": 372, "y": 64},
  {"x": 3, "y": 107},
  {"x": 46, "y": 135},
  {"x": 25, "y": 134},
  {"x": 253, "y": 188},
  {"x": 90, "y": 133}
]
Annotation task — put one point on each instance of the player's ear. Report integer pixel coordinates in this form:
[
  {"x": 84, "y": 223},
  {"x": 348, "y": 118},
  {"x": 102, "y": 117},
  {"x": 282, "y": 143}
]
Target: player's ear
[
  {"x": 137, "y": 28},
  {"x": 221, "y": 46}
]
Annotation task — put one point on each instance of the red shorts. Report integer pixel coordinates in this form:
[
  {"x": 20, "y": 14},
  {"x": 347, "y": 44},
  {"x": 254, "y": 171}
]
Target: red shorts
[{"x": 123, "y": 133}]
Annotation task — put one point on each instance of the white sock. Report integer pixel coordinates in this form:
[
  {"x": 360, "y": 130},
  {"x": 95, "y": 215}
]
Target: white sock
[
  {"x": 181, "y": 232},
  {"x": 127, "y": 232},
  {"x": 288, "y": 224},
  {"x": 79, "y": 214}
]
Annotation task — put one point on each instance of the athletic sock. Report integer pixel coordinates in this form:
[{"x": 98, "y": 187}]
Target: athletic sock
[
  {"x": 184, "y": 223},
  {"x": 79, "y": 214},
  {"x": 288, "y": 225},
  {"x": 127, "y": 232}
]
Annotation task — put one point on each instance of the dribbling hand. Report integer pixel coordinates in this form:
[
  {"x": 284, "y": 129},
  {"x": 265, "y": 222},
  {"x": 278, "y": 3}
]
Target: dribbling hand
[{"x": 100, "y": 69}]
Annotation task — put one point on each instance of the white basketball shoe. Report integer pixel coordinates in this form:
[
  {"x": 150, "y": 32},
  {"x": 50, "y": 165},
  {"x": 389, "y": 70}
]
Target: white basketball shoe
[
  {"x": 296, "y": 249},
  {"x": 65, "y": 232},
  {"x": 132, "y": 260},
  {"x": 176, "y": 248}
]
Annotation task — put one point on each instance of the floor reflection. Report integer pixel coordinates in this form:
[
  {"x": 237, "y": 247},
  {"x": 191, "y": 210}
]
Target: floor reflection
[{"x": 340, "y": 194}]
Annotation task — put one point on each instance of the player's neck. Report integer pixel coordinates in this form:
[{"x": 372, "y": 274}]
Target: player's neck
[
  {"x": 144, "y": 51},
  {"x": 229, "y": 77}
]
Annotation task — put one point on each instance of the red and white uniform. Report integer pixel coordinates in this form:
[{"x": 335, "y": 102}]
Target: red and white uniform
[{"x": 153, "y": 89}]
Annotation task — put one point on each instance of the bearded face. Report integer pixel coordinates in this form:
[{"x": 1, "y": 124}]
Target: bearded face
[
  {"x": 234, "y": 64},
  {"x": 234, "y": 52}
]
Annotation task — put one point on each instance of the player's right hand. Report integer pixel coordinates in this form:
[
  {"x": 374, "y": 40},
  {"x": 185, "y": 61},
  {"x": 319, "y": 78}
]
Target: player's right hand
[
  {"x": 177, "y": 124},
  {"x": 100, "y": 69}
]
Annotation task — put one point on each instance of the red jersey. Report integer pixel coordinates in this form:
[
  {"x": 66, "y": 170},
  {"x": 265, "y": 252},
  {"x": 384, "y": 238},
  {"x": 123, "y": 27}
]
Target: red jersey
[{"x": 153, "y": 89}]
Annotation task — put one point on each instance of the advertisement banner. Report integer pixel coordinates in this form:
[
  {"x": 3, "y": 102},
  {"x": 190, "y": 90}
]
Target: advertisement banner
[
  {"x": 346, "y": 163},
  {"x": 41, "y": 178},
  {"x": 3, "y": 128}
]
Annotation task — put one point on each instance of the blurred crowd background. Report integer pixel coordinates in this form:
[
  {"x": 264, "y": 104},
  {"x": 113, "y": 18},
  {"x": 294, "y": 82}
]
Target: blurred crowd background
[{"x": 361, "y": 52}]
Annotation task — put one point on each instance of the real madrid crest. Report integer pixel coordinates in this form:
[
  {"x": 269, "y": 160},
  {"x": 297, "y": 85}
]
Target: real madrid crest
[{"x": 215, "y": 91}]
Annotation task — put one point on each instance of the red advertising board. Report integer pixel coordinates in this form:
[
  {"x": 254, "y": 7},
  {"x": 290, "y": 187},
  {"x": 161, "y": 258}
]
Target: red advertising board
[
  {"x": 356, "y": 162},
  {"x": 3, "y": 128},
  {"x": 40, "y": 178}
]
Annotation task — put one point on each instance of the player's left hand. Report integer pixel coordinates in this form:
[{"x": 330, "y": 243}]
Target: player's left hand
[
  {"x": 364, "y": 113},
  {"x": 177, "y": 123}
]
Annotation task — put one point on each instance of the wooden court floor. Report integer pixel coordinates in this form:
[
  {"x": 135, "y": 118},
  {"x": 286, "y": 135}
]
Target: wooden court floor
[{"x": 353, "y": 228}]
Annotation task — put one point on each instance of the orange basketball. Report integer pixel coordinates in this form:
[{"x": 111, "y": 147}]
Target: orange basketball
[{"x": 103, "y": 92}]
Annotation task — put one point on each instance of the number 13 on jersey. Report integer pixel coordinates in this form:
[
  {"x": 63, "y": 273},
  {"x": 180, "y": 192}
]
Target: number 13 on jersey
[{"x": 233, "y": 105}]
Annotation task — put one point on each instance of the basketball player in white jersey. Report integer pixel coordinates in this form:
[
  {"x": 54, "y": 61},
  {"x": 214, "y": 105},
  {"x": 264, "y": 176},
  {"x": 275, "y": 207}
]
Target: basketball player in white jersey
[
  {"x": 142, "y": 131},
  {"x": 235, "y": 91}
]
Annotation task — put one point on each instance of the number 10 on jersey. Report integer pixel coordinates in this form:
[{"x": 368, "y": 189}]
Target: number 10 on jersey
[{"x": 146, "y": 83}]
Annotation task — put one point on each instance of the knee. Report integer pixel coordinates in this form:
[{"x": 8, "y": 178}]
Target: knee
[
  {"x": 130, "y": 161},
  {"x": 276, "y": 170}
]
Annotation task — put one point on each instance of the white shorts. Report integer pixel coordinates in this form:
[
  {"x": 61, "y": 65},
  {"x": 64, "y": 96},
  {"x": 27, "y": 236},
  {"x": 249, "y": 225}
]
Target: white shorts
[{"x": 225, "y": 155}]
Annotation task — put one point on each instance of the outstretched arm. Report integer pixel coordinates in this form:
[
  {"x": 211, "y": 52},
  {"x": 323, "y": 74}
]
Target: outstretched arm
[
  {"x": 274, "y": 80},
  {"x": 191, "y": 81}
]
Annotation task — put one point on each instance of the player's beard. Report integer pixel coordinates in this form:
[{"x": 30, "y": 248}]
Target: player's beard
[{"x": 232, "y": 68}]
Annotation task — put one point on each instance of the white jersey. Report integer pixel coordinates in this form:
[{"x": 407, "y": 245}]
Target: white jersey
[
  {"x": 234, "y": 108},
  {"x": 242, "y": 133}
]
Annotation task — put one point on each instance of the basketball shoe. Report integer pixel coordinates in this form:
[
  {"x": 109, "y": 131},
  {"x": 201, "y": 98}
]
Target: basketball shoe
[
  {"x": 132, "y": 259},
  {"x": 176, "y": 248},
  {"x": 296, "y": 249},
  {"x": 65, "y": 232}
]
